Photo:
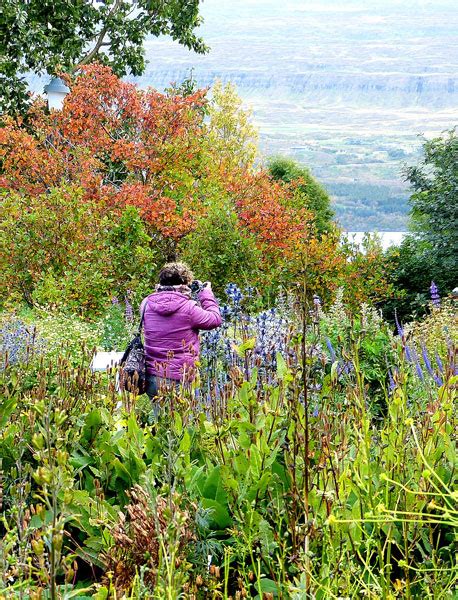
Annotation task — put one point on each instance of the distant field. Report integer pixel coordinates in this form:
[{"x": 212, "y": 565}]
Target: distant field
[{"x": 344, "y": 87}]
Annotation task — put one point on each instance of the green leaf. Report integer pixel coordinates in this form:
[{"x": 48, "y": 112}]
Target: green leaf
[
  {"x": 219, "y": 515},
  {"x": 185, "y": 444},
  {"x": 213, "y": 488},
  {"x": 255, "y": 460},
  {"x": 77, "y": 593},
  {"x": 243, "y": 348},
  {"x": 282, "y": 368},
  {"x": 7, "y": 408},
  {"x": 102, "y": 594},
  {"x": 266, "y": 586}
]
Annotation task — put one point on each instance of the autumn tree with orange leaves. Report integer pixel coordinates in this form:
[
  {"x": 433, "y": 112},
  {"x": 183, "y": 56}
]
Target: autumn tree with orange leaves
[{"x": 171, "y": 156}]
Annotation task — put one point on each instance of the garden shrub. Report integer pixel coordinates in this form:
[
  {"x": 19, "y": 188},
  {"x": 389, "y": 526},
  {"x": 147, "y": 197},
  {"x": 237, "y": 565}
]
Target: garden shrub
[
  {"x": 57, "y": 250},
  {"x": 219, "y": 250},
  {"x": 134, "y": 259},
  {"x": 72, "y": 255},
  {"x": 348, "y": 332},
  {"x": 365, "y": 275}
]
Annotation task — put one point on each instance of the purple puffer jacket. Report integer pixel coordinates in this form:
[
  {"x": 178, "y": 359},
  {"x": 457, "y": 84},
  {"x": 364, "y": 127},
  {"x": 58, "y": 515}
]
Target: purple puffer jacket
[{"x": 171, "y": 329}]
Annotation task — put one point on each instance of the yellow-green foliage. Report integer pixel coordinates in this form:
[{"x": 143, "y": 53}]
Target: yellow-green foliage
[
  {"x": 438, "y": 330},
  {"x": 230, "y": 132}
]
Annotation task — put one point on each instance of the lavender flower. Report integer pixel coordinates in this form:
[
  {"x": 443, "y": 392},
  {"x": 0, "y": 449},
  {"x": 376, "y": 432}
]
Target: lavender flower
[
  {"x": 346, "y": 367},
  {"x": 408, "y": 353},
  {"x": 419, "y": 371},
  {"x": 398, "y": 325},
  {"x": 429, "y": 367},
  {"x": 435, "y": 298},
  {"x": 18, "y": 343},
  {"x": 418, "y": 368},
  {"x": 439, "y": 363},
  {"x": 426, "y": 360},
  {"x": 331, "y": 350},
  {"x": 129, "y": 311},
  {"x": 438, "y": 380},
  {"x": 391, "y": 380}
]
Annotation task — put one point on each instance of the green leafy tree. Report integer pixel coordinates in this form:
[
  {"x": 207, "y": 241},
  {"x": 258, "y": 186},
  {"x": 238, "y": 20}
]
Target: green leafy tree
[
  {"x": 221, "y": 251},
  {"x": 430, "y": 252},
  {"x": 51, "y": 35},
  {"x": 309, "y": 193},
  {"x": 434, "y": 200}
]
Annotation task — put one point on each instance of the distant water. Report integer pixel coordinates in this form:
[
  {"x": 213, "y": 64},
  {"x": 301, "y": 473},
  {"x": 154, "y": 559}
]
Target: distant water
[{"x": 387, "y": 238}]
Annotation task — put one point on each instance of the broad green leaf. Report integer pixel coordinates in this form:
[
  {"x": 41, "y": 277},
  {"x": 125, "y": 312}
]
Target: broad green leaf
[
  {"x": 219, "y": 514},
  {"x": 213, "y": 488},
  {"x": 242, "y": 349}
]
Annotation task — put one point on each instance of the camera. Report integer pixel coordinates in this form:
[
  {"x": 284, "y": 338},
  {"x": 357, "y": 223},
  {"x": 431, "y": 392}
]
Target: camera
[{"x": 195, "y": 286}]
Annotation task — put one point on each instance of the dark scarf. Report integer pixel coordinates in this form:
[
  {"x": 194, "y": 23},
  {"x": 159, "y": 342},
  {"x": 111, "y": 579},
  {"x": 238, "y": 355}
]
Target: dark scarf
[{"x": 181, "y": 289}]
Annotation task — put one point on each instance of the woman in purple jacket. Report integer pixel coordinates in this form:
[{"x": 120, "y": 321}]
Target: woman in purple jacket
[{"x": 172, "y": 320}]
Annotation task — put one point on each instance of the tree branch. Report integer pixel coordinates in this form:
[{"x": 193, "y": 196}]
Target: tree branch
[{"x": 99, "y": 43}]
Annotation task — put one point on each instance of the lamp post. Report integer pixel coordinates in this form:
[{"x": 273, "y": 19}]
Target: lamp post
[{"x": 55, "y": 91}]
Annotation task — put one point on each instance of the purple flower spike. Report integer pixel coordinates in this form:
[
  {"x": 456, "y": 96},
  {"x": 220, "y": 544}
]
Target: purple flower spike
[
  {"x": 419, "y": 371},
  {"x": 438, "y": 380},
  {"x": 331, "y": 350},
  {"x": 390, "y": 377},
  {"x": 398, "y": 325},
  {"x": 439, "y": 363},
  {"x": 408, "y": 353},
  {"x": 129, "y": 312},
  {"x": 426, "y": 360},
  {"x": 418, "y": 368},
  {"x": 435, "y": 298},
  {"x": 115, "y": 301}
]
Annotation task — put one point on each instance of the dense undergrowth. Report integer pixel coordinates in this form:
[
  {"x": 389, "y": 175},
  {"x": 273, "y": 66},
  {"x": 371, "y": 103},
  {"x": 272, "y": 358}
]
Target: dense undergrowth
[{"x": 314, "y": 458}]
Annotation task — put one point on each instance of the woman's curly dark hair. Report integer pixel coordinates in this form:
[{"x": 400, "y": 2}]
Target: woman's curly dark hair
[{"x": 176, "y": 273}]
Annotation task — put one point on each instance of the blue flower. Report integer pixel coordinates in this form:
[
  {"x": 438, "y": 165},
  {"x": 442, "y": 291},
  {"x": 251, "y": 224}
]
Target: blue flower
[
  {"x": 234, "y": 294},
  {"x": 439, "y": 363},
  {"x": 331, "y": 350},
  {"x": 129, "y": 311},
  {"x": 398, "y": 325},
  {"x": 418, "y": 368},
  {"x": 391, "y": 380},
  {"x": 408, "y": 353},
  {"x": 426, "y": 360},
  {"x": 18, "y": 343},
  {"x": 435, "y": 298}
]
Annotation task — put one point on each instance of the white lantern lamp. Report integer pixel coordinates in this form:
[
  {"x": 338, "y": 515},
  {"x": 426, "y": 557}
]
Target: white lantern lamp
[{"x": 56, "y": 90}]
